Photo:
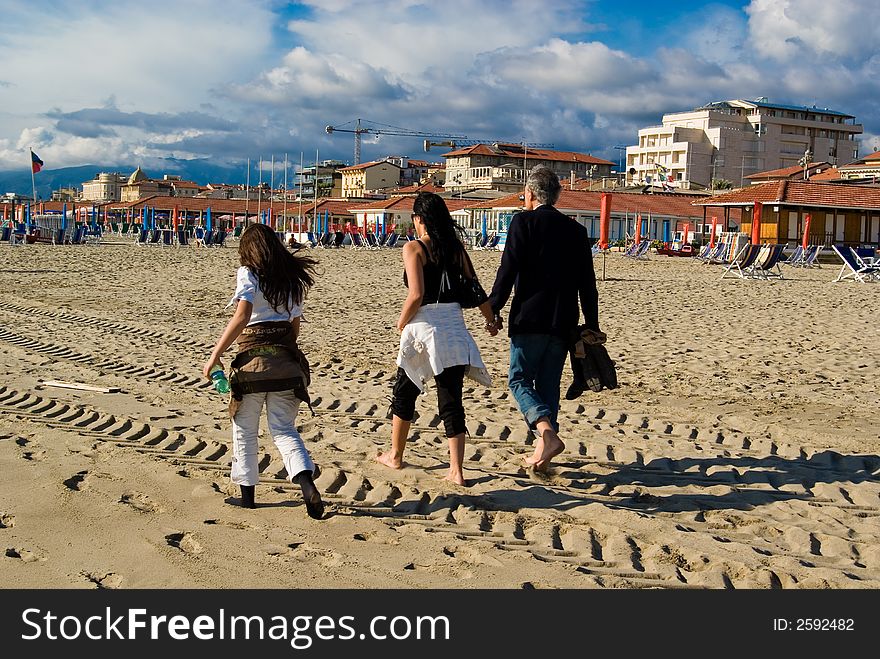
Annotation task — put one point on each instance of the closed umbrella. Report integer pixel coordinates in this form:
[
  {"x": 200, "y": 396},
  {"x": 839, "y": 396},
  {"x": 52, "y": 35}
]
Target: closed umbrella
[
  {"x": 604, "y": 220},
  {"x": 806, "y": 238},
  {"x": 638, "y": 236},
  {"x": 712, "y": 235},
  {"x": 756, "y": 223},
  {"x": 208, "y": 219},
  {"x": 684, "y": 238}
]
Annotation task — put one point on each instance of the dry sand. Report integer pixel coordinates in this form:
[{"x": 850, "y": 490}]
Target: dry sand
[{"x": 740, "y": 451}]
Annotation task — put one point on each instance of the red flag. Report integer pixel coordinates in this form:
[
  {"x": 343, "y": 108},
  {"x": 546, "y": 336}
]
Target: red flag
[{"x": 36, "y": 163}]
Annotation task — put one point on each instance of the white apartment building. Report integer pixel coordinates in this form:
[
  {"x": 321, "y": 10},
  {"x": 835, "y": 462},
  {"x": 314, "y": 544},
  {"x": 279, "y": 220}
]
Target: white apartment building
[
  {"x": 104, "y": 187},
  {"x": 731, "y": 139}
]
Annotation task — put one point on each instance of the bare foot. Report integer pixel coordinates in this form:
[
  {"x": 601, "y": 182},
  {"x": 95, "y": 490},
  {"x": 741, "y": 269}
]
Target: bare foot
[
  {"x": 389, "y": 460},
  {"x": 455, "y": 477},
  {"x": 548, "y": 447}
]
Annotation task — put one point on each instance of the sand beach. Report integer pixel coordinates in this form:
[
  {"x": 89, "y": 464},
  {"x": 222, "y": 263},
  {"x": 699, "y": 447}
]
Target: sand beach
[{"x": 741, "y": 450}]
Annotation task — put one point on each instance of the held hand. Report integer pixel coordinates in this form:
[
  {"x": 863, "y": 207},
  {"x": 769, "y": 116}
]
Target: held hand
[{"x": 206, "y": 371}]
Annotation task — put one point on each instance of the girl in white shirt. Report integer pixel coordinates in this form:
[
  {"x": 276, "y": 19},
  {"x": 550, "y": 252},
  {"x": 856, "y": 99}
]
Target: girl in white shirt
[{"x": 270, "y": 288}]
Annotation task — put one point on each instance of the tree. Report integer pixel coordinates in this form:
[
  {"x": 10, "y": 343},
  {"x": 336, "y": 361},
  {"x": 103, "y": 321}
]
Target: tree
[{"x": 721, "y": 184}]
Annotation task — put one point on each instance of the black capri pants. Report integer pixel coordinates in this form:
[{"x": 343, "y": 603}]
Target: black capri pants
[{"x": 449, "y": 392}]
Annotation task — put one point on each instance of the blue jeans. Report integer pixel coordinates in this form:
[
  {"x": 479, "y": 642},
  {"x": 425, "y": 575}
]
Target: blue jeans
[{"x": 536, "y": 363}]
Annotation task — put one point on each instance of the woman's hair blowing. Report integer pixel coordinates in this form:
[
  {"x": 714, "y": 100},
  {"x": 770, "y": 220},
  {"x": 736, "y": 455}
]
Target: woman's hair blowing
[{"x": 283, "y": 276}]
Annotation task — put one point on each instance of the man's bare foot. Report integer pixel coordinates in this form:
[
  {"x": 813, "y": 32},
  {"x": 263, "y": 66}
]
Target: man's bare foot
[
  {"x": 547, "y": 447},
  {"x": 456, "y": 477},
  {"x": 389, "y": 460}
]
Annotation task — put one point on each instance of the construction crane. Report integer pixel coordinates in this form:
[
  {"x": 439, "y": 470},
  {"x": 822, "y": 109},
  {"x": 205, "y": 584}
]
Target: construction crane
[{"x": 383, "y": 129}]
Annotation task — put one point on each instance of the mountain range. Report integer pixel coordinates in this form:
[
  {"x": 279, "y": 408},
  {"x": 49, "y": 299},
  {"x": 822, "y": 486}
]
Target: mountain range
[{"x": 47, "y": 180}]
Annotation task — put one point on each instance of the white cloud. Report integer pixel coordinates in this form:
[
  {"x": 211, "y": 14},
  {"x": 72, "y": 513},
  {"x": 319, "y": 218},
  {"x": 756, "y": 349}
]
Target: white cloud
[
  {"x": 787, "y": 29},
  {"x": 231, "y": 79}
]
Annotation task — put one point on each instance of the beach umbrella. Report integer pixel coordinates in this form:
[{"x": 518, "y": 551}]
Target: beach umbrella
[
  {"x": 712, "y": 235},
  {"x": 143, "y": 218},
  {"x": 756, "y": 223},
  {"x": 208, "y": 219},
  {"x": 684, "y": 238},
  {"x": 64, "y": 217},
  {"x": 806, "y": 238},
  {"x": 174, "y": 218},
  {"x": 604, "y": 219},
  {"x": 638, "y": 236},
  {"x": 27, "y": 218},
  {"x": 483, "y": 227}
]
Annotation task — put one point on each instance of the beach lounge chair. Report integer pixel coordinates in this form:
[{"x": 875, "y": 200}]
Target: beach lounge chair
[
  {"x": 372, "y": 242},
  {"x": 742, "y": 262},
  {"x": 392, "y": 240},
  {"x": 18, "y": 235},
  {"x": 853, "y": 268},
  {"x": 236, "y": 232},
  {"x": 811, "y": 257},
  {"x": 795, "y": 257},
  {"x": 182, "y": 237},
  {"x": 357, "y": 241},
  {"x": 93, "y": 235},
  {"x": 492, "y": 243},
  {"x": 79, "y": 235},
  {"x": 219, "y": 238},
  {"x": 143, "y": 237},
  {"x": 481, "y": 241},
  {"x": 713, "y": 254},
  {"x": 311, "y": 241},
  {"x": 632, "y": 249},
  {"x": 766, "y": 266},
  {"x": 7, "y": 233},
  {"x": 58, "y": 236}
]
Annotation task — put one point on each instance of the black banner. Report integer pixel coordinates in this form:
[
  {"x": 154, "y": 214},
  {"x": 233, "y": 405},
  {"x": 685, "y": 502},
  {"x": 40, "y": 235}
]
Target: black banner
[{"x": 427, "y": 623}]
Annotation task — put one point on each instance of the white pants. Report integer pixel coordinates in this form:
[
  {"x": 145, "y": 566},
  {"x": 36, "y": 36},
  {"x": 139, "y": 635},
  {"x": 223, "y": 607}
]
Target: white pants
[{"x": 281, "y": 409}]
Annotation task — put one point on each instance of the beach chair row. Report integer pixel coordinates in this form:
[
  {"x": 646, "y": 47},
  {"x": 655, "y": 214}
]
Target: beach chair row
[
  {"x": 181, "y": 237},
  {"x": 81, "y": 235},
  {"x": 638, "y": 250},
  {"x": 755, "y": 261},
  {"x": 487, "y": 241},
  {"x": 804, "y": 258}
]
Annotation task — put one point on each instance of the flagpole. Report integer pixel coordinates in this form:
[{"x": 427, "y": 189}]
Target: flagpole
[
  {"x": 33, "y": 181},
  {"x": 300, "y": 194},
  {"x": 247, "y": 194},
  {"x": 315, "y": 209},
  {"x": 284, "y": 212},
  {"x": 260, "y": 192},
  {"x": 272, "y": 190}
]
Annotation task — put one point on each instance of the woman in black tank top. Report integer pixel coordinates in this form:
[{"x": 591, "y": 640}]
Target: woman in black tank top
[{"x": 438, "y": 249}]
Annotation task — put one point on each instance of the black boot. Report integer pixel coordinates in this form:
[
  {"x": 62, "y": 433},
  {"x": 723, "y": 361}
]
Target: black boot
[
  {"x": 314, "y": 505},
  {"x": 247, "y": 496}
]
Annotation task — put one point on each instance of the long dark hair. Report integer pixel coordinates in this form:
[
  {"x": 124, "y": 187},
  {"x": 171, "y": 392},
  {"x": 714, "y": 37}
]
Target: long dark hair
[
  {"x": 282, "y": 275},
  {"x": 445, "y": 234}
]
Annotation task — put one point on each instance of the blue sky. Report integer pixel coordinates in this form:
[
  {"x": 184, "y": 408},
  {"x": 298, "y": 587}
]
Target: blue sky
[{"x": 118, "y": 82}]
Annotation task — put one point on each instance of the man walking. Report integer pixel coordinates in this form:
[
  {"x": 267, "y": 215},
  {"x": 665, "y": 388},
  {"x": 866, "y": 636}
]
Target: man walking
[{"x": 548, "y": 258}]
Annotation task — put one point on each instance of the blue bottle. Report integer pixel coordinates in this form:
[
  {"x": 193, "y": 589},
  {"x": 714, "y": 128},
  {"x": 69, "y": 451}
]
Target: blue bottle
[{"x": 218, "y": 377}]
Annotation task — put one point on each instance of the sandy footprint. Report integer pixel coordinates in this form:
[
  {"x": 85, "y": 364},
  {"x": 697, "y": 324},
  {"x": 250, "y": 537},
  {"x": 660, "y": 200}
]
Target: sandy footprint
[
  {"x": 141, "y": 502},
  {"x": 77, "y": 482},
  {"x": 185, "y": 542},
  {"x": 108, "y": 580},
  {"x": 24, "y": 555}
]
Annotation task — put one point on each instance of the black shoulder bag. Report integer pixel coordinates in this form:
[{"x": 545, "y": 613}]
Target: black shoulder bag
[{"x": 467, "y": 289}]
